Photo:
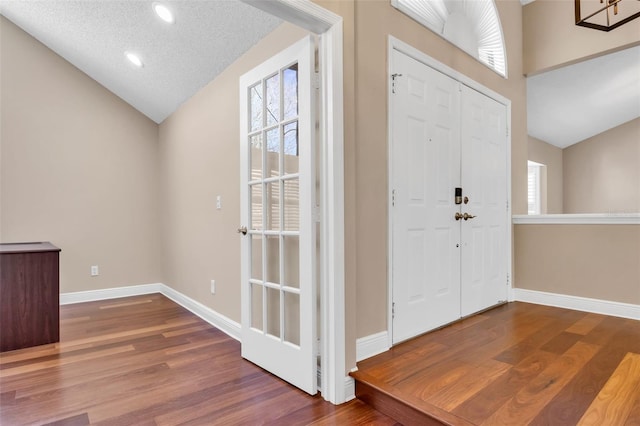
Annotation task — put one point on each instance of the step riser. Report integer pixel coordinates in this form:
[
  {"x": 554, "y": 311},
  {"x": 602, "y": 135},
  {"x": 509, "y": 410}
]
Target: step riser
[{"x": 393, "y": 407}]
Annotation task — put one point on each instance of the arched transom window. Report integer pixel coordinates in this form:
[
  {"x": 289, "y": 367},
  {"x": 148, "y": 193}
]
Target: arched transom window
[{"x": 472, "y": 25}]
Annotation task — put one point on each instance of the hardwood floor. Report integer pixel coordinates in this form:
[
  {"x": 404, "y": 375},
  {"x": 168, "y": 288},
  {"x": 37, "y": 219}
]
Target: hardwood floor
[
  {"x": 518, "y": 364},
  {"x": 145, "y": 360}
]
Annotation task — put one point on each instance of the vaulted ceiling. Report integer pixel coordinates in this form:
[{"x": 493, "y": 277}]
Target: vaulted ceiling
[
  {"x": 564, "y": 106},
  {"x": 573, "y": 103},
  {"x": 179, "y": 58}
]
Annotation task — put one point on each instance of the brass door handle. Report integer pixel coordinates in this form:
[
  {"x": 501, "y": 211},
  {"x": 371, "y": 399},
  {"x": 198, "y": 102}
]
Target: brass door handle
[
  {"x": 243, "y": 230},
  {"x": 467, "y": 216},
  {"x": 459, "y": 216}
]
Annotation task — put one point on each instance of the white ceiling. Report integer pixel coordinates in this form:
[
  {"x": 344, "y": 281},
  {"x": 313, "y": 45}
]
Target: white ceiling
[
  {"x": 564, "y": 106},
  {"x": 573, "y": 103},
  {"x": 179, "y": 58}
]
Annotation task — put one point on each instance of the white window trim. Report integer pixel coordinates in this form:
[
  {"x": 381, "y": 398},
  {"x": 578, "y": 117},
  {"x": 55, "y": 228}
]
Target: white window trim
[{"x": 537, "y": 169}]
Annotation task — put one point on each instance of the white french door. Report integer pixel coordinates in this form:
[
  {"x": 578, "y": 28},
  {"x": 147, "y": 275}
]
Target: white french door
[
  {"x": 448, "y": 259},
  {"x": 279, "y": 301}
]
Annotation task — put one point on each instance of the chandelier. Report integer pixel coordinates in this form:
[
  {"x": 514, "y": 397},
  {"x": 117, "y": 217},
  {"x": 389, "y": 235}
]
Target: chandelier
[{"x": 605, "y": 15}]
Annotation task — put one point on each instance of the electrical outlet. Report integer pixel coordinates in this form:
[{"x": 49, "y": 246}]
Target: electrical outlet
[
  {"x": 219, "y": 202},
  {"x": 213, "y": 286},
  {"x": 94, "y": 271}
]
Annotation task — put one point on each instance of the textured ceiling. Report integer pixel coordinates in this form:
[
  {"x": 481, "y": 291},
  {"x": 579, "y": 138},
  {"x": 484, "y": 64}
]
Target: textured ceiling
[
  {"x": 179, "y": 59},
  {"x": 564, "y": 106},
  {"x": 570, "y": 104}
]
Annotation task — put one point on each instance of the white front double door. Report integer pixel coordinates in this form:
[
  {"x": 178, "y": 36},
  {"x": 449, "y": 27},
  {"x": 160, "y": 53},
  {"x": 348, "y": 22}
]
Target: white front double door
[{"x": 445, "y": 135}]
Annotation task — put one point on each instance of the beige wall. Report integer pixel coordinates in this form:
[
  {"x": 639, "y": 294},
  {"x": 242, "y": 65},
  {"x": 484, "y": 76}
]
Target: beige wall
[
  {"x": 375, "y": 20},
  {"x": 79, "y": 167},
  {"x": 199, "y": 160},
  {"x": 551, "y": 38},
  {"x": 551, "y": 156},
  {"x": 595, "y": 261},
  {"x": 602, "y": 173}
]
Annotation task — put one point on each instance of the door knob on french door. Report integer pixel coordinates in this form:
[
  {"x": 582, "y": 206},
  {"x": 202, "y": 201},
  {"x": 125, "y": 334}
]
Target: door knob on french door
[
  {"x": 467, "y": 216},
  {"x": 243, "y": 230},
  {"x": 459, "y": 216}
]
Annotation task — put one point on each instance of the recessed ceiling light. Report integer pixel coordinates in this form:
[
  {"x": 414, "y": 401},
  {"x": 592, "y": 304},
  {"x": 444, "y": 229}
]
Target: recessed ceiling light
[
  {"x": 163, "y": 12},
  {"x": 134, "y": 59}
]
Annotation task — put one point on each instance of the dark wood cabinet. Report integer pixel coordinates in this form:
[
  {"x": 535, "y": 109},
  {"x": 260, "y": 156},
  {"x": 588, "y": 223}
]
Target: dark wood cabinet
[{"x": 29, "y": 295}]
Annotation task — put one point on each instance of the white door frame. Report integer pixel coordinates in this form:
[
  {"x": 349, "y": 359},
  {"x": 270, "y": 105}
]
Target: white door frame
[
  {"x": 328, "y": 25},
  {"x": 396, "y": 44}
]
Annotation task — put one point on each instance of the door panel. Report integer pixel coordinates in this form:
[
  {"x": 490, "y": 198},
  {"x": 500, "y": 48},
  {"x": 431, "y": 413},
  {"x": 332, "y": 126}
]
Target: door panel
[
  {"x": 426, "y": 169},
  {"x": 277, "y": 192},
  {"x": 484, "y": 181}
]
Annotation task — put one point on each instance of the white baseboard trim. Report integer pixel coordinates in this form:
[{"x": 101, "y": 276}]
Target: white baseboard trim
[
  {"x": 224, "y": 324},
  {"x": 349, "y": 388},
  {"x": 219, "y": 321},
  {"x": 371, "y": 345},
  {"x": 597, "y": 306},
  {"x": 109, "y": 293}
]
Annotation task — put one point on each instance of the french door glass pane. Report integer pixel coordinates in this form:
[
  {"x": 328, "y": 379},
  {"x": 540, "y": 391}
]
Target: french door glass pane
[
  {"x": 291, "y": 201},
  {"x": 273, "y": 259},
  {"x": 290, "y": 81},
  {"x": 256, "y": 157},
  {"x": 273, "y": 205},
  {"x": 292, "y": 318},
  {"x": 273, "y": 100},
  {"x": 273, "y": 152},
  {"x": 256, "y": 257},
  {"x": 291, "y": 261},
  {"x": 273, "y": 312},
  {"x": 256, "y": 206},
  {"x": 256, "y": 306},
  {"x": 291, "y": 148},
  {"x": 255, "y": 92}
]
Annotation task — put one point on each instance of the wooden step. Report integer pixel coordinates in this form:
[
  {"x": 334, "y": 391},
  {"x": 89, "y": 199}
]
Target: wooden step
[{"x": 402, "y": 407}]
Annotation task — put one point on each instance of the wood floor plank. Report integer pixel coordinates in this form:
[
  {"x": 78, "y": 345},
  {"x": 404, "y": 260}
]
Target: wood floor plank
[
  {"x": 472, "y": 345},
  {"x": 352, "y": 414},
  {"x": 555, "y": 363},
  {"x": 458, "y": 392},
  {"x": 548, "y": 327},
  {"x": 8, "y": 372},
  {"x": 586, "y": 324},
  {"x": 634, "y": 416},
  {"x": 428, "y": 382},
  {"x": 132, "y": 360},
  {"x": 618, "y": 396},
  {"x": 484, "y": 403},
  {"x": 574, "y": 399},
  {"x": 526, "y": 404},
  {"x": 561, "y": 343},
  {"x": 76, "y": 420},
  {"x": 604, "y": 332}
]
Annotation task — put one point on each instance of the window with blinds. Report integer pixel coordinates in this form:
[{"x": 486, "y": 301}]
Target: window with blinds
[
  {"x": 472, "y": 25},
  {"x": 533, "y": 187}
]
